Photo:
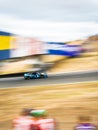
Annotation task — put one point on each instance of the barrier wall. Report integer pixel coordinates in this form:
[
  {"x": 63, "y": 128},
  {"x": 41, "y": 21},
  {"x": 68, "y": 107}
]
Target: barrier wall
[{"x": 4, "y": 45}]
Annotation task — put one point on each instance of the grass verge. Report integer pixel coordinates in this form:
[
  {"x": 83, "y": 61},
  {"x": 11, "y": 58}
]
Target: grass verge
[{"x": 64, "y": 102}]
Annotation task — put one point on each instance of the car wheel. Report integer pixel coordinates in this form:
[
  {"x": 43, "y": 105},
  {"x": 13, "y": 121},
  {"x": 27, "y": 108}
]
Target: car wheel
[
  {"x": 42, "y": 76},
  {"x": 26, "y": 78}
]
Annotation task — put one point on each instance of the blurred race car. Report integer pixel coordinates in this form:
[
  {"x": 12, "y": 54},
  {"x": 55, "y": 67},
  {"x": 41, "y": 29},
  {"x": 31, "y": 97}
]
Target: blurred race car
[{"x": 35, "y": 75}]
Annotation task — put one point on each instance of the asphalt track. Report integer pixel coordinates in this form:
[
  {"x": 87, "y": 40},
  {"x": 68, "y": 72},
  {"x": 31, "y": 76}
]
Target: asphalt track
[{"x": 52, "y": 79}]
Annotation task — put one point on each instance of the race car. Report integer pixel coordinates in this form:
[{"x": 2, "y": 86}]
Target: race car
[{"x": 35, "y": 75}]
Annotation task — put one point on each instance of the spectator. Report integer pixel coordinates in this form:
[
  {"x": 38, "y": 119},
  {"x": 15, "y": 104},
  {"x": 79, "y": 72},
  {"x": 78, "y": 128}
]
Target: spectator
[
  {"x": 84, "y": 123},
  {"x": 24, "y": 121},
  {"x": 42, "y": 122}
]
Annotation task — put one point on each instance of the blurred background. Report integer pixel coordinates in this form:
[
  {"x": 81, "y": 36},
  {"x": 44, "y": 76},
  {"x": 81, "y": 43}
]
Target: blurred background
[
  {"x": 48, "y": 35},
  {"x": 20, "y": 54},
  {"x": 56, "y": 36}
]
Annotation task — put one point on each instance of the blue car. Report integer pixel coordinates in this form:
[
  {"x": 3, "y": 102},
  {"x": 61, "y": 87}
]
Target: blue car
[{"x": 35, "y": 75}]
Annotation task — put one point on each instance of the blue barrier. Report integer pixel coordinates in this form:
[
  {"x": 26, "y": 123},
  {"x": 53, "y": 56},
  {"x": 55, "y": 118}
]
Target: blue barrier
[
  {"x": 4, "y": 54},
  {"x": 3, "y": 33},
  {"x": 54, "y": 48}
]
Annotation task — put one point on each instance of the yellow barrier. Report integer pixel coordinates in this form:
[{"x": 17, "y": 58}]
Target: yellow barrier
[{"x": 4, "y": 42}]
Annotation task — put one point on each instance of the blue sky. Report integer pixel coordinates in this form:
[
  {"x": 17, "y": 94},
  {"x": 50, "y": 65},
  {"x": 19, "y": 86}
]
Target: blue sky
[{"x": 50, "y": 20}]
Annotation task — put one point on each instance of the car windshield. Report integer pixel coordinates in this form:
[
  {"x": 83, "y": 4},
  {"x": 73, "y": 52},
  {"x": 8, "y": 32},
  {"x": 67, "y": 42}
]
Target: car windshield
[{"x": 34, "y": 73}]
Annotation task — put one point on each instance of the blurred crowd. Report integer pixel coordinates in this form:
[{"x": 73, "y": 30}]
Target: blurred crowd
[
  {"x": 31, "y": 119},
  {"x": 35, "y": 119}
]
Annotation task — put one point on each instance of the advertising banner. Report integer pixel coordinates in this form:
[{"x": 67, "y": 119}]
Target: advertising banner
[
  {"x": 4, "y": 45},
  {"x": 22, "y": 46},
  {"x": 73, "y": 50},
  {"x": 4, "y": 42},
  {"x": 54, "y": 48}
]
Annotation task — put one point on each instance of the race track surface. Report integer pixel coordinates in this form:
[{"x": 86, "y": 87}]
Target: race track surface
[{"x": 52, "y": 79}]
